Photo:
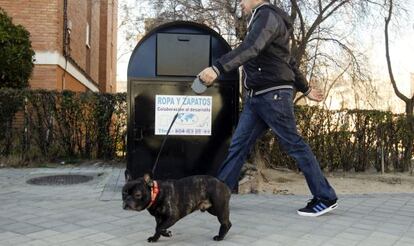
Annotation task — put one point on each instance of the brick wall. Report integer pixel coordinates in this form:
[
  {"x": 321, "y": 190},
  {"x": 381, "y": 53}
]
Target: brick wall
[
  {"x": 103, "y": 49},
  {"x": 113, "y": 46},
  {"x": 51, "y": 77},
  {"x": 70, "y": 82},
  {"x": 77, "y": 16},
  {"x": 95, "y": 25},
  {"x": 44, "y": 20},
  {"x": 108, "y": 37},
  {"x": 44, "y": 26},
  {"x": 81, "y": 13},
  {"x": 43, "y": 77}
]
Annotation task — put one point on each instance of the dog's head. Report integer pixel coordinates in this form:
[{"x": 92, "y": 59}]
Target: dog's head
[{"x": 136, "y": 194}]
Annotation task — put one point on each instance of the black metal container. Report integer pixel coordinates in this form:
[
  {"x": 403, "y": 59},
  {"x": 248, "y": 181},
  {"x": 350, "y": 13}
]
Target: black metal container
[{"x": 160, "y": 72}]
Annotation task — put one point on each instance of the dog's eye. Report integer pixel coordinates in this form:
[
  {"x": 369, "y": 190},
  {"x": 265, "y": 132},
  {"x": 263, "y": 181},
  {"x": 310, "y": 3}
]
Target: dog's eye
[{"x": 138, "y": 196}]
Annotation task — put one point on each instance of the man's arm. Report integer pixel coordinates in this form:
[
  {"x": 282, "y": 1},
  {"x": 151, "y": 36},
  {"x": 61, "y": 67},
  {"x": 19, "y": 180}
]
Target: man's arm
[
  {"x": 261, "y": 34},
  {"x": 302, "y": 84},
  {"x": 263, "y": 30},
  {"x": 300, "y": 81}
]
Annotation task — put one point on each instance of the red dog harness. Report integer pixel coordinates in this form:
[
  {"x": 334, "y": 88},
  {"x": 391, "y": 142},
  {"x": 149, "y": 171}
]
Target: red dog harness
[{"x": 154, "y": 193}]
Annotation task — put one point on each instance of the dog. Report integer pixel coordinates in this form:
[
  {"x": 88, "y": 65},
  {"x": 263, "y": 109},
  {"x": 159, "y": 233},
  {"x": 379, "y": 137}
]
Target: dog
[{"x": 169, "y": 201}]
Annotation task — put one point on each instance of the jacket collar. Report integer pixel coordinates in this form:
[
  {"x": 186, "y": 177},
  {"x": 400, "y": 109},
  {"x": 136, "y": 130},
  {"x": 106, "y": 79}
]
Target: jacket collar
[
  {"x": 260, "y": 5},
  {"x": 254, "y": 12}
]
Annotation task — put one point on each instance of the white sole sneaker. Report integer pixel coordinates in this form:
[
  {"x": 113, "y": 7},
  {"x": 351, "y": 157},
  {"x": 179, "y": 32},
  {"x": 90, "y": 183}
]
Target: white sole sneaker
[{"x": 328, "y": 209}]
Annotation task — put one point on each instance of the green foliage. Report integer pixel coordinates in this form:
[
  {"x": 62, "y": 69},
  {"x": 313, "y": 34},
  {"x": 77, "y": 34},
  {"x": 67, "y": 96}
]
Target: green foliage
[
  {"x": 66, "y": 125},
  {"x": 348, "y": 139},
  {"x": 11, "y": 101},
  {"x": 16, "y": 54}
]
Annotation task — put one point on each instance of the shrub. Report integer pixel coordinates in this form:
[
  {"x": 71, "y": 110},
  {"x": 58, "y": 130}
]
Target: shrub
[{"x": 16, "y": 54}]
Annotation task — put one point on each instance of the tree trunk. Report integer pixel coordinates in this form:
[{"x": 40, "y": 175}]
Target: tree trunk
[{"x": 408, "y": 141}]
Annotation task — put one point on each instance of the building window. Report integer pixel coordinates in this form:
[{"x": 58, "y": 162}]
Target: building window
[{"x": 88, "y": 36}]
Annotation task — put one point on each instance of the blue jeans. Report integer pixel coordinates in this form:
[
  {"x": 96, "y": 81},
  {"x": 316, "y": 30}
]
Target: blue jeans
[{"x": 273, "y": 109}]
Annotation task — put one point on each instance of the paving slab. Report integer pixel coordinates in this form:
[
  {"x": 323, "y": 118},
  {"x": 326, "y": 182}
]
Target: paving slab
[{"x": 91, "y": 214}]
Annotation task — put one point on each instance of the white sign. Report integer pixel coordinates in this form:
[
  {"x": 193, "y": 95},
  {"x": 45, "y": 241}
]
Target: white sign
[{"x": 194, "y": 115}]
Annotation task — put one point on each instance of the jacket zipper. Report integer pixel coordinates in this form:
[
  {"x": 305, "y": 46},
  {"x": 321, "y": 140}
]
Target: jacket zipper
[{"x": 248, "y": 25}]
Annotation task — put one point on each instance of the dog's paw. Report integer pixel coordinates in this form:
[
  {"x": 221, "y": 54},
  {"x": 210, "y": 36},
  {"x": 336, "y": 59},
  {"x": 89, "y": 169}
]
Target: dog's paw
[
  {"x": 217, "y": 238},
  {"x": 152, "y": 239},
  {"x": 166, "y": 233}
]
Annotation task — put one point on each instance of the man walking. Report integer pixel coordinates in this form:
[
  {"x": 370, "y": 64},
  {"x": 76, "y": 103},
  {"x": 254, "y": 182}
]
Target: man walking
[{"x": 270, "y": 76}]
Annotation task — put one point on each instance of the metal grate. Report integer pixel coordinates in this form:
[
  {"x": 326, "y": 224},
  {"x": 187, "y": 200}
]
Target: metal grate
[{"x": 65, "y": 179}]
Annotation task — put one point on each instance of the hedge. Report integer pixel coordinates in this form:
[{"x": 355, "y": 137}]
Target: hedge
[
  {"x": 348, "y": 140},
  {"x": 62, "y": 125}
]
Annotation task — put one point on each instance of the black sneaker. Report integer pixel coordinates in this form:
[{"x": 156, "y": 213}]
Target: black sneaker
[{"x": 317, "y": 207}]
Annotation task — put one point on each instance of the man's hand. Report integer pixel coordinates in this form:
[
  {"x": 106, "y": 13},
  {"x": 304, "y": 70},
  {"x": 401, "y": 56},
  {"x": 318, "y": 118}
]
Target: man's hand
[
  {"x": 208, "y": 76},
  {"x": 315, "y": 95}
]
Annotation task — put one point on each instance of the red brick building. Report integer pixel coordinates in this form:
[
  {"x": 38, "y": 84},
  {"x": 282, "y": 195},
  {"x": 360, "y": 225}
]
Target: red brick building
[{"x": 74, "y": 41}]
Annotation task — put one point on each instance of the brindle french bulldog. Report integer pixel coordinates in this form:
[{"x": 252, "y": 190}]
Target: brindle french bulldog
[{"x": 169, "y": 201}]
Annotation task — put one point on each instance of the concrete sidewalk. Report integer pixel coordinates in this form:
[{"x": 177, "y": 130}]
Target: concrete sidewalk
[{"x": 91, "y": 214}]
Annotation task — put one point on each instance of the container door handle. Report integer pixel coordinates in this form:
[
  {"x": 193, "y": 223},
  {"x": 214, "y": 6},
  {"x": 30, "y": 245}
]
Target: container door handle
[
  {"x": 183, "y": 38},
  {"x": 138, "y": 134}
]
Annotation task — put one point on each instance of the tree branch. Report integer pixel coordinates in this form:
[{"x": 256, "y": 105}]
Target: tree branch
[{"x": 387, "y": 55}]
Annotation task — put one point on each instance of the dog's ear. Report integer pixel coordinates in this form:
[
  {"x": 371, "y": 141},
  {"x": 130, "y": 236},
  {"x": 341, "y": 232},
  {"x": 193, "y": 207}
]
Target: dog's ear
[
  {"x": 148, "y": 180},
  {"x": 128, "y": 176}
]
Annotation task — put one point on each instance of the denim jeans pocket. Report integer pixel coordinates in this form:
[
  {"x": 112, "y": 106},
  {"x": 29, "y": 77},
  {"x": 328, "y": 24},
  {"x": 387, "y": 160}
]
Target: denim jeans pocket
[{"x": 280, "y": 102}]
